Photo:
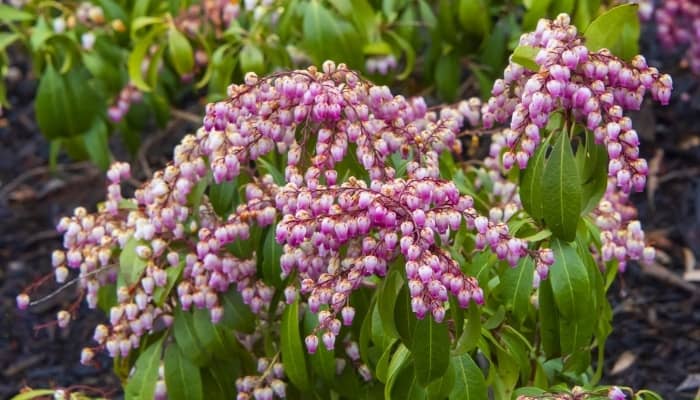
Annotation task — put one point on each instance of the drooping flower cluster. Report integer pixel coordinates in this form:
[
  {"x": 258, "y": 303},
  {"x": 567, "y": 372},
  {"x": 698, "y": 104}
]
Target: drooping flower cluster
[
  {"x": 129, "y": 94},
  {"x": 678, "y": 25},
  {"x": 338, "y": 224},
  {"x": 595, "y": 87},
  {"x": 381, "y": 65}
]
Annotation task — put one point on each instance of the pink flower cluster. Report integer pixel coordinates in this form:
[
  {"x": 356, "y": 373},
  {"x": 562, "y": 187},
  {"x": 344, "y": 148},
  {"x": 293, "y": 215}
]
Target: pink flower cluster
[
  {"x": 362, "y": 189},
  {"x": 596, "y": 88},
  {"x": 266, "y": 386},
  {"x": 677, "y": 25},
  {"x": 129, "y": 94}
]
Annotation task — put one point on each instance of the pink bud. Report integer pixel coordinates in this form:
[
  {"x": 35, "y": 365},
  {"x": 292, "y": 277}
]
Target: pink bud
[{"x": 311, "y": 342}]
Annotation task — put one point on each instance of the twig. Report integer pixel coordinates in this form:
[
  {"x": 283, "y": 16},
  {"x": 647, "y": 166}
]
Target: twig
[
  {"x": 657, "y": 271},
  {"x": 186, "y": 116},
  {"x": 70, "y": 283},
  {"x": 35, "y": 172}
]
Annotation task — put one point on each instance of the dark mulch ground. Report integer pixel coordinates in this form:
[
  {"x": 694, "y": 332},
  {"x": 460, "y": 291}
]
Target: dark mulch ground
[{"x": 657, "y": 316}]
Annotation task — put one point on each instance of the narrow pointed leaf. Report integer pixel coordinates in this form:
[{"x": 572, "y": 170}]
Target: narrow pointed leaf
[
  {"x": 469, "y": 380},
  {"x": 182, "y": 377},
  {"x": 431, "y": 350},
  {"x": 561, "y": 190},
  {"x": 292, "y": 348},
  {"x": 142, "y": 383}
]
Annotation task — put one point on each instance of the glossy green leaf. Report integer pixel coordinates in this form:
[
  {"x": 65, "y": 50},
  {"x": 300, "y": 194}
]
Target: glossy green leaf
[
  {"x": 219, "y": 380},
  {"x": 12, "y": 14},
  {"x": 237, "y": 315},
  {"x": 408, "y": 52},
  {"x": 406, "y": 386},
  {"x": 328, "y": 37},
  {"x": 160, "y": 294},
  {"x": 404, "y": 318},
  {"x": 474, "y": 17},
  {"x": 561, "y": 190},
  {"x": 7, "y": 38},
  {"x": 218, "y": 341},
  {"x": 516, "y": 286},
  {"x": 431, "y": 350},
  {"x": 65, "y": 105},
  {"x": 97, "y": 145},
  {"x": 617, "y": 30},
  {"x": 131, "y": 266},
  {"x": 592, "y": 161},
  {"x": 397, "y": 363},
  {"x": 272, "y": 251},
  {"x": 381, "y": 371},
  {"x": 182, "y": 377},
  {"x": 34, "y": 394},
  {"x": 536, "y": 9},
  {"x": 447, "y": 76},
  {"x": 142, "y": 384},
  {"x": 469, "y": 380},
  {"x": 570, "y": 281},
  {"x": 186, "y": 338},
  {"x": 549, "y": 320},
  {"x": 440, "y": 388},
  {"x": 531, "y": 182},
  {"x": 137, "y": 57},
  {"x": 472, "y": 330},
  {"x": 585, "y": 12},
  {"x": 525, "y": 56},
  {"x": 292, "y": 348},
  {"x": 386, "y": 301},
  {"x": 180, "y": 52},
  {"x": 252, "y": 59}
]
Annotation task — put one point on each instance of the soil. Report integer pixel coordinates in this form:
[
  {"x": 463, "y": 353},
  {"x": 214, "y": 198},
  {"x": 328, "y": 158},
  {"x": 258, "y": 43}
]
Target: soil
[{"x": 657, "y": 313}]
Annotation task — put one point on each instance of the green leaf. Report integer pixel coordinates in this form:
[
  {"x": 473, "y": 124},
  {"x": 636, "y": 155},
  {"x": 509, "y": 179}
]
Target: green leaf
[
  {"x": 386, "y": 301},
  {"x": 7, "y": 38},
  {"x": 472, "y": 330},
  {"x": 219, "y": 380},
  {"x": 252, "y": 59},
  {"x": 142, "y": 384},
  {"x": 431, "y": 350},
  {"x": 272, "y": 252},
  {"x": 561, "y": 190},
  {"x": 525, "y": 56},
  {"x": 549, "y": 320},
  {"x": 96, "y": 143},
  {"x": 616, "y": 30},
  {"x": 182, "y": 377},
  {"x": 327, "y": 37},
  {"x": 180, "y": 52},
  {"x": 469, "y": 380},
  {"x": 160, "y": 294},
  {"x": 585, "y": 12},
  {"x": 378, "y": 48},
  {"x": 323, "y": 361},
  {"x": 137, "y": 57},
  {"x": 516, "y": 286},
  {"x": 474, "y": 17},
  {"x": 237, "y": 315},
  {"x": 292, "y": 351},
  {"x": 408, "y": 51},
  {"x": 447, "y": 76},
  {"x": 570, "y": 282},
  {"x": 186, "y": 338},
  {"x": 13, "y": 14},
  {"x": 381, "y": 371},
  {"x": 404, "y": 318},
  {"x": 65, "y": 105},
  {"x": 535, "y": 10},
  {"x": 442, "y": 387},
  {"x": 427, "y": 15},
  {"x": 592, "y": 161},
  {"x": 33, "y": 394},
  {"x": 131, "y": 266},
  {"x": 406, "y": 386},
  {"x": 398, "y": 362},
  {"x": 219, "y": 342}
]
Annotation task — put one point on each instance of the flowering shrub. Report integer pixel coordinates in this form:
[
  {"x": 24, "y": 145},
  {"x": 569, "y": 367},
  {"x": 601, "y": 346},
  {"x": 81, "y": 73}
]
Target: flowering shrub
[
  {"x": 116, "y": 64},
  {"x": 316, "y": 236}
]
